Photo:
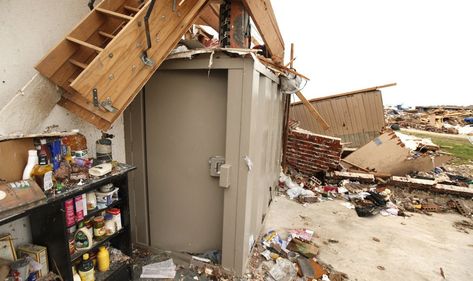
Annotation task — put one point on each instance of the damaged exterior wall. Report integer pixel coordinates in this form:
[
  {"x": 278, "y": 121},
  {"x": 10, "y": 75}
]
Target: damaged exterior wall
[
  {"x": 29, "y": 28},
  {"x": 356, "y": 118},
  {"x": 310, "y": 153}
]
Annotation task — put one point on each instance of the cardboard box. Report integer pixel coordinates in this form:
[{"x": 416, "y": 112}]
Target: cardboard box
[
  {"x": 38, "y": 253},
  {"x": 7, "y": 250},
  {"x": 19, "y": 193},
  {"x": 14, "y": 157}
]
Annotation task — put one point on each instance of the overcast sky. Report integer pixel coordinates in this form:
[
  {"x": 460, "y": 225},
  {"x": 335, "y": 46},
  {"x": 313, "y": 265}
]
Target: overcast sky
[{"x": 426, "y": 46}]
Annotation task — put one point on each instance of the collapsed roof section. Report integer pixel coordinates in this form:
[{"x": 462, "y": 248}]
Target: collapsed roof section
[{"x": 110, "y": 55}]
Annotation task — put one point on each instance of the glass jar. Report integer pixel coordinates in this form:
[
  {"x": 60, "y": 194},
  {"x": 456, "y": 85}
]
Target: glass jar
[
  {"x": 78, "y": 145},
  {"x": 110, "y": 226},
  {"x": 117, "y": 219},
  {"x": 99, "y": 227}
]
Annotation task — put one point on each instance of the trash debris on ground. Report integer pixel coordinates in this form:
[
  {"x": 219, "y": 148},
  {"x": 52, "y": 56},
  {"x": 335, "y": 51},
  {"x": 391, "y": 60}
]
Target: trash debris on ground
[
  {"x": 186, "y": 266},
  {"x": 439, "y": 119},
  {"x": 290, "y": 255},
  {"x": 392, "y": 175}
]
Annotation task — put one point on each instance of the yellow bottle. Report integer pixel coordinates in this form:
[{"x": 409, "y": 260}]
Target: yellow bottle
[{"x": 103, "y": 259}]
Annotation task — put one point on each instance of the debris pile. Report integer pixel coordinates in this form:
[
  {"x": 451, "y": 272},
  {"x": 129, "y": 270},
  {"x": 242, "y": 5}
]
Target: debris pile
[
  {"x": 393, "y": 197},
  {"x": 441, "y": 119},
  {"x": 395, "y": 154},
  {"x": 290, "y": 255},
  {"x": 150, "y": 265}
]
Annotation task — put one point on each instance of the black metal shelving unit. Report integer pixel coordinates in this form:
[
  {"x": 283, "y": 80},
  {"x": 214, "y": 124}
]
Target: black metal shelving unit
[{"x": 48, "y": 227}]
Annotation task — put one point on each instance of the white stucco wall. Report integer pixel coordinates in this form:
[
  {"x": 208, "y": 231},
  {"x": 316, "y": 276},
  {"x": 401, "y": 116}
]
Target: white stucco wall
[{"x": 28, "y": 30}]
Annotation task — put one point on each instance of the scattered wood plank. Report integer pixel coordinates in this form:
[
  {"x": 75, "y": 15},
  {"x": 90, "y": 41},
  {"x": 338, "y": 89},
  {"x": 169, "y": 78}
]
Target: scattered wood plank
[{"x": 315, "y": 114}]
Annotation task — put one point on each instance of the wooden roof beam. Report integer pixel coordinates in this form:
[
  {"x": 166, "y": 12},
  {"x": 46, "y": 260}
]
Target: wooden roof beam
[
  {"x": 209, "y": 17},
  {"x": 263, "y": 16}
]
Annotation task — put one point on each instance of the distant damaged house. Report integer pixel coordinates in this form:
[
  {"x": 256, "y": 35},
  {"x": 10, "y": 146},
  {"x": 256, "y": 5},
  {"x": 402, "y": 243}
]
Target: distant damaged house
[{"x": 356, "y": 117}]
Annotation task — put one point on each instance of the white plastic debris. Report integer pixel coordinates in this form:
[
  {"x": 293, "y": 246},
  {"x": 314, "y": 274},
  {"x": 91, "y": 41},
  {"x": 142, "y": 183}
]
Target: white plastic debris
[
  {"x": 165, "y": 269},
  {"x": 299, "y": 191},
  {"x": 325, "y": 278},
  {"x": 248, "y": 162},
  {"x": 348, "y": 205},
  {"x": 391, "y": 210},
  {"x": 283, "y": 270},
  {"x": 359, "y": 195},
  {"x": 266, "y": 254}
]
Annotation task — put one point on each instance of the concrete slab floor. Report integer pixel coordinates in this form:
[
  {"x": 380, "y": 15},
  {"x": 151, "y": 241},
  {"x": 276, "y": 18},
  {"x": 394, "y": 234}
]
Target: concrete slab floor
[{"x": 413, "y": 248}]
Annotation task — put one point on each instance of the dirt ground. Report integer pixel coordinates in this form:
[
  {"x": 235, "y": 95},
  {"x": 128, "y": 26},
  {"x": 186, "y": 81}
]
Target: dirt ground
[{"x": 412, "y": 248}]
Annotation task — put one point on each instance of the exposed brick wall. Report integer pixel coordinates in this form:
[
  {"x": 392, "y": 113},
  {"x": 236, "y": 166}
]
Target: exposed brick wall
[{"x": 309, "y": 153}]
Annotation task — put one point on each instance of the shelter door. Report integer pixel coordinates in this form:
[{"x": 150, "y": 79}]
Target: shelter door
[{"x": 185, "y": 115}]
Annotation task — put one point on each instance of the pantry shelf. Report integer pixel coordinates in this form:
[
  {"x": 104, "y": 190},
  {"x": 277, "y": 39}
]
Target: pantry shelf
[
  {"x": 95, "y": 245},
  {"x": 97, "y": 211},
  {"x": 49, "y": 227}
]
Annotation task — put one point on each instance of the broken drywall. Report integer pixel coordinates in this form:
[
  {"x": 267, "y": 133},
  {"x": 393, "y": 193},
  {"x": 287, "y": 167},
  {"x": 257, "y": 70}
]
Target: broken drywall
[
  {"x": 387, "y": 154},
  {"x": 29, "y": 29},
  {"x": 29, "y": 107}
]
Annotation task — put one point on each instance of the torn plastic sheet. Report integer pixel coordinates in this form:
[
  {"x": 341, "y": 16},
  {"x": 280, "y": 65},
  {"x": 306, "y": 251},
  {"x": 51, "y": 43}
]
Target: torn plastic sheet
[
  {"x": 360, "y": 195},
  {"x": 299, "y": 191},
  {"x": 283, "y": 270},
  {"x": 248, "y": 162}
]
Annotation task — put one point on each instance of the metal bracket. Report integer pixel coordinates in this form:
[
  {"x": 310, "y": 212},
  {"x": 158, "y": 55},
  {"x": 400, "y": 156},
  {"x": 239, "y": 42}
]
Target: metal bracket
[
  {"x": 215, "y": 163},
  {"x": 147, "y": 60},
  {"x": 95, "y": 97},
  {"x": 144, "y": 56},
  {"x": 107, "y": 105}
]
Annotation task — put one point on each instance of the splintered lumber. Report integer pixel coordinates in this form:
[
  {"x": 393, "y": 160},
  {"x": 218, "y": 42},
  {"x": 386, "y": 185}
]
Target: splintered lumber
[
  {"x": 209, "y": 17},
  {"x": 280, "y": 68},
  {"x": 359, "y": 177},
  {"x": 306, "y": 249},
  {"x": 313, "y": 111}
]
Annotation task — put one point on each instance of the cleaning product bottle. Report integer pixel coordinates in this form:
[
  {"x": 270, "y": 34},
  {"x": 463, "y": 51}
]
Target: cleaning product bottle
[
  {"x": 32, "y": 161},
  {"x": 83, "y": 238},
  {"x": 86, "y": 269},
  {"x": 43, "y": 172},
  {"x": 103, "y": 259}
]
